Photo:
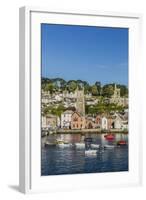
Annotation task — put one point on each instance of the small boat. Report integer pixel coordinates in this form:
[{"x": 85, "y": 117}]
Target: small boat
[
  {"x": 107, "y": 146},
  {"x": 59, "y": 141},
  {"x": 64, "y": 145},
  {"x": 109, "y": 136},
  {"x": 121, "y": 142},
  {"x": 51, "y": 132},
  {"x": 91, "y": 152},
  {"x": 95, "y": 146},
  {"x": 80, "y": 145},
  {"x": 49, "y": 144}
]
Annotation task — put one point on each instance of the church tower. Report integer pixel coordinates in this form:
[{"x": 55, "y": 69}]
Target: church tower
[
  {"x": 80, "y": 101},
  {"x": 116, "y": 92}
]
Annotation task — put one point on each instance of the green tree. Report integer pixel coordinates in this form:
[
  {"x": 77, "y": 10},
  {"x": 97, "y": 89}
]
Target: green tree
[
  {"x": 98, "y": 85},
  {"x": 87, "y": 89},
  {"x": 107, "y": 90},
  {"x": 72, "y": 85},
  {"x": 49, "y": 87},
  {"x": 46, "y": 110},
  {"x": 59, "y": 83},
  {"x": 58, "y": 111},
  {"x": 94, "y": 90},
  {"x": 123, "y": 90}
]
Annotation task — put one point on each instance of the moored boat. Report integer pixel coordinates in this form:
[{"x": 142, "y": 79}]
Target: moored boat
[
  {"x": 109, "y": 136},
  {"x": 95, "y": 146},
  {"x": 64, "y": 144},
  {"x": 91, "y": 152},
  {"x": 80, "y": 145},
  {"x": 107, "y": 146},
  {"x": 50, "y": 144},
  {"x": 121, "y": 142}
]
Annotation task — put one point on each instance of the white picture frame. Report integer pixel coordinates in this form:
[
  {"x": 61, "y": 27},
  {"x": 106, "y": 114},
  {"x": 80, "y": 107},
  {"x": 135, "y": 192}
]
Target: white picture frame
[{"x": 30, "y": 178}]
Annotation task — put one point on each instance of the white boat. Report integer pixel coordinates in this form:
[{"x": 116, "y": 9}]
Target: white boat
[
  {"x": 59, "y": 141},
  {"x": 107, "y": 146},
  {"x": 64, "y": 144},
  {"x": 95, "y": 146},
  {"x": 80, "y": 145},
  {"x": 90, "y": 152}
]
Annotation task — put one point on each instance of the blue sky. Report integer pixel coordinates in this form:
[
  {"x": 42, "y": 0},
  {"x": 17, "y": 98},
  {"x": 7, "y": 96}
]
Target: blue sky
[{"x": 84, "y": 52}]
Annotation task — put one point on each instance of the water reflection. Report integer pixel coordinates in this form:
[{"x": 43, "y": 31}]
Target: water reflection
[{"x": 56, "y": 160}]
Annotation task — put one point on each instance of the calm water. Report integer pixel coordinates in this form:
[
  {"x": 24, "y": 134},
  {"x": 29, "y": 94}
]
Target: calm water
[{"x": 69, "y": 160}]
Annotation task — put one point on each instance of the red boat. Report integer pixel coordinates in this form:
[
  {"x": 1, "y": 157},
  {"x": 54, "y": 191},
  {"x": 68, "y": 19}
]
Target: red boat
[
  {"x": 121, "y": 142},
  {"x": 109, "y": 136}
]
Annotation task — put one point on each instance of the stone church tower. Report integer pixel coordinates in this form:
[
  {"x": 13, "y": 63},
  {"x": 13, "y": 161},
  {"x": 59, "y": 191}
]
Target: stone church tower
[
  {"x": 116, "y": 92},
  {"x": 115, "y": 98},
  {"x": 80, "y": 101}
]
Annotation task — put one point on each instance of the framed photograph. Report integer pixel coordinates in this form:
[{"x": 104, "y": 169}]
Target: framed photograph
[{"x": 79, "y": 100}]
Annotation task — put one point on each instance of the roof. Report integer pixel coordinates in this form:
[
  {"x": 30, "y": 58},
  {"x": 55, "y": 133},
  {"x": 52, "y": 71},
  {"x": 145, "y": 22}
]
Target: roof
[
  {"x": 68, "y": 112},
  {"x": 80, "y": 115}
]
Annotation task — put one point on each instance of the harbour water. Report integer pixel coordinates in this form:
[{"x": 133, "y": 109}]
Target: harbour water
[{"x": 57, "y": 160}]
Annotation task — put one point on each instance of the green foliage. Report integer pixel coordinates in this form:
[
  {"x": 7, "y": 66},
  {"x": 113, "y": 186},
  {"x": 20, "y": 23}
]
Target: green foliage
[
  {"x": 99, "y": 88},
  {"x": 87, "y": 89},
  {"x": 103, "y": 108},
  {"x": 107, "y": 90},
  {"x": 123, "y": 90},
  {"x": 59, "y": 84},
  {"x": 72, "y": 85},
  {"x": 46, "y": 110},
  {"x": 94, "y": 90},
  {"x": 49, "y": 87},
  {"x": 52, "y": 110}
]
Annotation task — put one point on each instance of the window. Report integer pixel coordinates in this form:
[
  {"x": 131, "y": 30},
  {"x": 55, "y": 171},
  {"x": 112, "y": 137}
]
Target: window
[{"x": 75, "y": 119}]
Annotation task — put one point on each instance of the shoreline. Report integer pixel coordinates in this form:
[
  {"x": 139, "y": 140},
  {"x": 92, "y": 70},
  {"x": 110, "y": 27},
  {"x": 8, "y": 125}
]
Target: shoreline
[
  {"x": 99, "y": 131},
  {"x": 84, "y": 131}
]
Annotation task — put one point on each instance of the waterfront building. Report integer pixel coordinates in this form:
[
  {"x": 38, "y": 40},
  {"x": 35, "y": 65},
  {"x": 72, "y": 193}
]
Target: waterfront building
[
  {"x": 104, "y": 123},
  {"x": 124, "y": 121},
  {"x": 49, "y": 121},
  {"x": 77, "y": 121},
  {"x": 66, "y": 119},
  {"x": 90, "y": 123},
  {"x": 117, "y": 124},
  {"x": 124, "y": 125},
  {"x": 98, "y": 121},
  {"x": 110, "y": 120}
]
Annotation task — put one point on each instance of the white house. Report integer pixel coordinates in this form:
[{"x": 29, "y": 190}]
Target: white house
[
  {"x": 58, "y": 98},
  {"x": 118, "y": 122},
  {"x": 104, "y": 123},
  {"x": 66, "y": 119},
  {"x": 45, "y": 99}
]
